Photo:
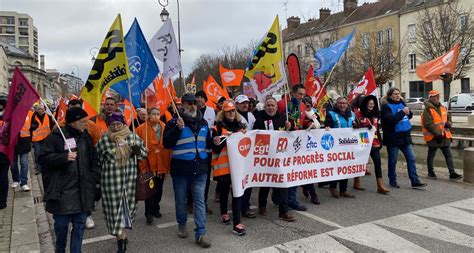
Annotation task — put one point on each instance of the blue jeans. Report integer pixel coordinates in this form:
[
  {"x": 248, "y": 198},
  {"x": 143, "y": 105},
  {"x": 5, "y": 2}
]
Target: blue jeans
[
  {"x": 292, "y": 191},
  {"x": 20, "y": 174},
  {"x": 407, "y": 151},
  {"x": 37, "y": 146},
  {"x": 197, "y": 184},
  {"x": 61, "y": 224}
]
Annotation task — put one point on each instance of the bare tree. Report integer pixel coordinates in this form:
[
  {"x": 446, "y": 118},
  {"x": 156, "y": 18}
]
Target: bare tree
[{"x": 440, "y": 28}]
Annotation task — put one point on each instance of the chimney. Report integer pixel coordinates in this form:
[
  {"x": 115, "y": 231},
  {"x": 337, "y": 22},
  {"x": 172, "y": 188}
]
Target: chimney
[
  {"x": 324, "y": 13},
  {"x": 293, "y": 23},
  {"x": 42, "y": 62},
  {"x": 349, "y": 6}
]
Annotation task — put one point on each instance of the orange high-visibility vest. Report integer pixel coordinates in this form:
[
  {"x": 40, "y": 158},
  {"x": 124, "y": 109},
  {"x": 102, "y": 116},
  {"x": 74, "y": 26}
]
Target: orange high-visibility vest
[
  {"x": 439, "y": 121},
  {"x": 25, "y": 130},
  {"x": 220, "y": 162},
  {"x": 43, "y": 129}
]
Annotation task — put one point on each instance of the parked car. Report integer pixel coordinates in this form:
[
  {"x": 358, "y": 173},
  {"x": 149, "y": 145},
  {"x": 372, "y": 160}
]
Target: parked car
[
  {"x": 463, "y": 101},
  {"x": 415, "y": 103}
]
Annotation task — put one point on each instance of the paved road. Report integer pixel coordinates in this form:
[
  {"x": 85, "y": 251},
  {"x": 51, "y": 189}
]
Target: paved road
[{"x": 440, "y": 218}]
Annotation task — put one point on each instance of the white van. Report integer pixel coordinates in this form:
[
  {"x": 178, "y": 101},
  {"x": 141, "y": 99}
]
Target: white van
[{"x": 463, "y": 101}]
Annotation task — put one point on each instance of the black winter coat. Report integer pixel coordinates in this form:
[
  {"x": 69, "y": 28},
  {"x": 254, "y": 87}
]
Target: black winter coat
[
  {"x": 180, "y": 167},
  {"x": 278, "y": 121},
  {"x": 23, "y": 145},
  {"x": 389, "y": 120},
  {"x": 69, "y": 187}
]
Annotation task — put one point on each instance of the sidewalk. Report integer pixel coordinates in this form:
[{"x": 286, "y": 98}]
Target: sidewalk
[{"x": 20, "y": 221}]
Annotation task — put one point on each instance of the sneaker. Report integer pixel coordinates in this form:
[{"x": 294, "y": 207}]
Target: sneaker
[
  {"x": 298, "y": 207},
  {"x": 203, "y": 241},
  {"x": 418, "y": 185},
  {"x": 182, "y": 232},
  {"x": 432, "y": 175},
  {"x": 454, "y": 175},
  {"x": 225, "y": 219},
  {"x": 15, "y": 185},
  {"x": 208, "y": 211},
  {"x": 90, "y": 223},
  {"x": 249, "y": 214},
  {"x": 149, "y": 219},
  {"x": 262, "y": 211},
  {"x": 394, "y": 185},
  {"x": 287, "y": 217},
  {"x": 239, "y": 230},
  {"x": 25, "y": 188}
]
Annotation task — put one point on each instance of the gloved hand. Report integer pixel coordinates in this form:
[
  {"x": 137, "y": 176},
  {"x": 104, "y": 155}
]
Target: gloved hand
[
  {"x": 97, "y": 192},
  {"x": 439, "y": 139},
  {"x": 447, "y": 125},
  {"x": 135, "y": 150}
]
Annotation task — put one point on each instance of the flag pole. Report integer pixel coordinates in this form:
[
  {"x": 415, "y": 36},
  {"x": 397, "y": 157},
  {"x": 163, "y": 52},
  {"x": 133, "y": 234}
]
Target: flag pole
[
  {"x": 172, "y": 100},
  {"x": 146, "y": 121},
  {"x": 56, "y": 122}
]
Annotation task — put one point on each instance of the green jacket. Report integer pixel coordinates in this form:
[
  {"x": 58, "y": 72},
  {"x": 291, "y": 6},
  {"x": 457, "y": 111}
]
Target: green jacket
[{"x": 430, "y": 126}]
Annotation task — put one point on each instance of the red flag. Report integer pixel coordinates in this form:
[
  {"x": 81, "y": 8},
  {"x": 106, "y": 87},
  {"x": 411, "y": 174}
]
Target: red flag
[
  {"x": 445, "y": 64},
  {"x": 231, "y": 77},
  {"x": 293, "y": 69},
  {"x": 214, "y": 92},
  {"x": 365, "y": 86},
  {"x": 61, "y": 112},
  {"x": 313, "y": 84},
  {"x": 162, "y": 97},
  {"x": 129, "y": 112},
  {"x": 21, "y": 97}
]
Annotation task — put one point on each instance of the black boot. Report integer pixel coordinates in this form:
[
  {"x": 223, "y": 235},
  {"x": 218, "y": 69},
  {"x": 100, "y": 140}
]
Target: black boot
[
  {"x": 122, "y": 245},
  {"x": 454, "y": 175},
  {"x": 314, "y": 198}
]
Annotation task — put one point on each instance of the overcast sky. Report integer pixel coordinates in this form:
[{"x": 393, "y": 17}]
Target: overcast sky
[{"x": 68, "y": 29}]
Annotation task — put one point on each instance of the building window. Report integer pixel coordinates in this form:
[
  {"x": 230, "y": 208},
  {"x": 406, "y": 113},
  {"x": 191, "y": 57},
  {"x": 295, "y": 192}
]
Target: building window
[
  {"x": 464, "y": 22},
  {"x": 382, "y": 63},
  {"x": 465, "y": 85},
  {"x": 10, "y": 20},
  {"x": 412, "y": 61},
  {"x": 379, "y": 38},
  {"x": 307, "y": 50},
  {"x": 420, "y": 89},
  {"x": 10, "y": 30},
  {"x": 326, "y": 43},
  {"x": 23, "y": 21},
  {"x": 411, "y": 33},
  {"x": 427, "y": 28},
  {"x": 389, "y": 36},
  {"x": 365, "y": 40},
  {"x": 23, "y": 41},
  {"x": 24, "y": 31},
  {"x": 298, "y": 50},
  {"x": 8, "y": 39}
]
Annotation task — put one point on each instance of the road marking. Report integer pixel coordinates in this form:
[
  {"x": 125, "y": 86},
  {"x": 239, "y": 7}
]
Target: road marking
[
  {"x": 448, "y": 213},
  {"x": 466, "y": 204},
  {"x": 418, "y": 225},
  {"x": 316, "y": 243},
  {"x": 373, "y": 236},
  {"x": 319, "y": 219},
  {"x": 97, "y": 239},
  {"x": 171, "y": 224}
]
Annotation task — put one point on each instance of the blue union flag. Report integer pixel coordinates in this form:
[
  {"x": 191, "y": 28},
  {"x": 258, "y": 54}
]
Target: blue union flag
[
  {"x": 329, "y": 56},
  {"x": 142, "y": 64}
]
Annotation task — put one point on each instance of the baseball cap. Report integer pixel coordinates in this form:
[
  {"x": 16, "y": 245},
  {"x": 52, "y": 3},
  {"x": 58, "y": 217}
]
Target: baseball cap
[
  {"x": 228, "y": 105},
  {"x": 433, "y": 93},
  {"x": 241, "y": 98}
]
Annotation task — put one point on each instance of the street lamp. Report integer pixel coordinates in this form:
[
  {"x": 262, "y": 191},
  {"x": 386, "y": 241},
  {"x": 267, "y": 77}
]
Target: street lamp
[
  {"x": 164, "y": 15},
  {"x": 93, "y": 52},
  {"x": 75, "y": 83}
]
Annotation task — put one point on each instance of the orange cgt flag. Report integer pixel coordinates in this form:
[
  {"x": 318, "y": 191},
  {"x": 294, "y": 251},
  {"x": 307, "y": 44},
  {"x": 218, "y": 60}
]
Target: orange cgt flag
[
  {"x": 446, "y": 63},
  {"x": 161, "y": 94},
  {"x": 214, "y": 91},
  {"x": 231, "y": 77},
  {"x": 62, "y": 107},
  {"x": 129, "y": 112}
]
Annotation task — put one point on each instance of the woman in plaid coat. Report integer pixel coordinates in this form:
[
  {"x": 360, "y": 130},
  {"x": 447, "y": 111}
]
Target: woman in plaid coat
[{"x": 116, "y": 150}]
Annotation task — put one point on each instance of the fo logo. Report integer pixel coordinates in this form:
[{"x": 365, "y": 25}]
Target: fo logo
[
  {"x": 262, "y": 144},
  {"x": 327, "y": 141},
  {"x": 244, "y": 146}
]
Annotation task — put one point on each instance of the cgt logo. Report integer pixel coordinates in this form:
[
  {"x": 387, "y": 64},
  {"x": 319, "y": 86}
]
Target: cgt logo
[
  {"x": 262, "y": 144},
  {"x": 244, "y": 146}
]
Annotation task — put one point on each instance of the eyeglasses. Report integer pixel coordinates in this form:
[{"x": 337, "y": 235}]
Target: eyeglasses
[
  {"x": 116, "y": 124},
  {"x": 190, "y": 102}
]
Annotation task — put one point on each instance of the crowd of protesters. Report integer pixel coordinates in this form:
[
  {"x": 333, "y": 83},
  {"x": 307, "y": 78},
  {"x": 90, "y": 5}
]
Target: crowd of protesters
[{"x": 99, "y": 159}]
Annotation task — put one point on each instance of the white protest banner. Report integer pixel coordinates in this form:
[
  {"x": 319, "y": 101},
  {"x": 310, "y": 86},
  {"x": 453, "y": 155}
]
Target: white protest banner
[{"x": 262, "y": 158}]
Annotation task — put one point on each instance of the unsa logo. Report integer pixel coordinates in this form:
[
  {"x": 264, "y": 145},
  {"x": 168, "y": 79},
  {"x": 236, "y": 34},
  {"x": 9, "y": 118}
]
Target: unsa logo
[
  {"x": 244, "y": 146},
  {"x": 327, "y": 141}
]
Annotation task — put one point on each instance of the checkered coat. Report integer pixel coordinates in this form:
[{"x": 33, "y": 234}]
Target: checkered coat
[{"x": 117, "y": 182}]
